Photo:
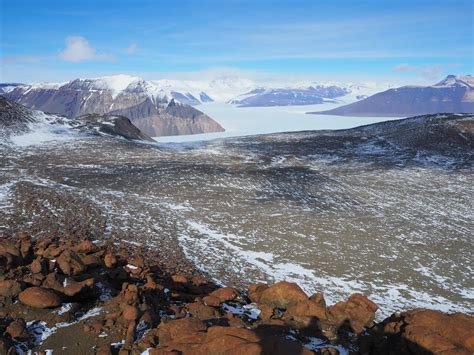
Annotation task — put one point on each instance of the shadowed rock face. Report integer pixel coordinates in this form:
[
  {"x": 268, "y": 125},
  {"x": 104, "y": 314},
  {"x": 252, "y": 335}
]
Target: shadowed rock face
[
  {"x": 143, "y": 104},
  {"x": 173, "y": 120},
  {"x": 116, "y": 125},
  {"x": 453, "y": 94}
]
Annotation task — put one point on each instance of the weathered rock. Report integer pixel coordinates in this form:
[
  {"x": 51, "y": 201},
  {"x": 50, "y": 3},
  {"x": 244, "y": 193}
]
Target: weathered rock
[
  {"x": 10, "y": 288},
  {"x": 305, "y": 314},
  {"x": 180, "y": 279},
  {"x": 255, "y": 291},
  {"x": 70, "y": 263},
  {"x": 318, "y": 298},
  {"x": 73, "y": 288},
  {"x": 201, "y": 311},
  {"x": 130, "y": 313},
  {"x": 283, "y": 295},
  {"x": 91, "y": 261},
  {"x": 17, "y": 330},
  {"x": 39, "y": 266},
  {"x": 357, "y": 312},
  {"x": 457, "y": 329},
  {"x": 179, "y": 327},
  {"x": 110, "y": 260},
  {"x": 221, "y": 295},
  {"x": 39, "y": 297},
  {"x": 85, "y": 247}
]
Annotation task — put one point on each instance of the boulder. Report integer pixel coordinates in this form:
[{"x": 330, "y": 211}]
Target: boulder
[
  {"x": 17, "y": 330},
  {"x": 221, "y": 295},
  {"x": 39, "y": 266},
  {"x": 73, "y": 288},
  {"x": 201, "y": 311},
  {"x": 357, "y": 312},
  {"x": 255, "y": 291},
  {"x": 282, "y": 295},
  {"x": 39, "y": 297},
  {"x": 457, "y": 329},
  {"x": 242, "y": 333},
  {"x": 85, "y": 247},
  {"x": 318, "y": 298},
  {"x": 70, "y": 263},
  {"x": 130, "y": 313},
  {"x": 10, "y": 288},
  {"x": 307, "y": 308},
  {"x": 7, "y": 247},
  {"x": 110, "y": 260},
  {"x": 91, "y": 261},
  {"x": 179, "y": 327}
]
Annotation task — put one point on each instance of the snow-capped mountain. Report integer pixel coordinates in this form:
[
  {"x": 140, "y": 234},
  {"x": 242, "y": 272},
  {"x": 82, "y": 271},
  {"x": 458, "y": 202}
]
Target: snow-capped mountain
[
  {"x": 454, "y": 94},
  {"x": 153, "y": 108},
  {"x": 289, "y": 96}
]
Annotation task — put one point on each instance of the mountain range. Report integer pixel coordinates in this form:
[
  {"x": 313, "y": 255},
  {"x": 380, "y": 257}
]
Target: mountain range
[
  {"x": 454, "y": 94},
  {"x": 154, "y": 109},
  {"x": 289, "y": 96}
]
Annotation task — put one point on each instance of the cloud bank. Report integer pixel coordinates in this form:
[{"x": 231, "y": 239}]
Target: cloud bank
[{"x": 78, "y": 49}]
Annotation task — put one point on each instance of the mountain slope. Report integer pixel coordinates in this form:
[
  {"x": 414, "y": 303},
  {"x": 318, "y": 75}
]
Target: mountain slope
[
  {"x": 453, "y": 94},
  {"x": 135, "y": 98},
  {"x": 17, "y": 120}
]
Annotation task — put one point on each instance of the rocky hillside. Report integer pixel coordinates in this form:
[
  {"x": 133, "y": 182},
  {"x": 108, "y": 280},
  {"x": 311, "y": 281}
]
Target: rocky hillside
[
  {"x": 144, "y": 102},
  {"x": 16, "y": 119},
  {"x": 58, "y": 295},
  {"x": 454, "y": 94}
]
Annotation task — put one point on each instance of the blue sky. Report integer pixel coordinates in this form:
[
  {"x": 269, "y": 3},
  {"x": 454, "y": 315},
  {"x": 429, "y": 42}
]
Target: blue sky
[{"x": 401, "y": 41}]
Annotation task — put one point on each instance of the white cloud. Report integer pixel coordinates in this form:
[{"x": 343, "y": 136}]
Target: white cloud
[
  {"x": 432, "y": 71},
  {"x": 132, "y": 48},
  {"x": 78, "y": 49}
]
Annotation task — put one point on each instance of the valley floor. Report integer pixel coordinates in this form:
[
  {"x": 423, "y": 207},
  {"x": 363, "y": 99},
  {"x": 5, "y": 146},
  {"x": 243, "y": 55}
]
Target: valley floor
[{"x": 334, "y": 214}]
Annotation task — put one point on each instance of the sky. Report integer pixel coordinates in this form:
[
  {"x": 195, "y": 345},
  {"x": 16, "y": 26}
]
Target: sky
[{"x": 416, "y": 41}]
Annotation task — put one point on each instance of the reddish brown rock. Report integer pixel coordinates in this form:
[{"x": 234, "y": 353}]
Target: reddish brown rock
[
  {"x": 39, "y": 297},
  {"x": 130, "y": 313},
  {"x": 255, "y": 291},
  {"x": 358, "y": 311},
  {"x": 458, "y": 329},
  {"x": 179, "y": 327},
  {"x": 282, "y": 295},
  {"x": 73, "y": 288},
  {"x": 180, "y": 279},
  {"x": 17, "y": 329},
  {"x": 201, "y": 311},
  {"x": 70, "y": 263},
  {"x": 10, "y": 288},
  {"x": 221, "y": 295},
  {"x": 7, "y": 247},
  {"x": 242, "y": 333},
  {"x": 39, "y": 265},
  {"x": 318, "y": 298},
  {"x": 91, "y": 261},
  {"x": 85, "y": 247},
  {"x": 307, "y": 308},
  {"x": 110, "y": 260}
]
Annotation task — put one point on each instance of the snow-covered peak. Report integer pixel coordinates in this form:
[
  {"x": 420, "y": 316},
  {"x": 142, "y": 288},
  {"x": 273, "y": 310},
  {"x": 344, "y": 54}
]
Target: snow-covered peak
[{"x": 462, "y": 80}]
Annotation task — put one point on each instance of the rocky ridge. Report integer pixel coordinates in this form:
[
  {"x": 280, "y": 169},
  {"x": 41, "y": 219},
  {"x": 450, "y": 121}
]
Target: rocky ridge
[{"x": 105, "y": 299}]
